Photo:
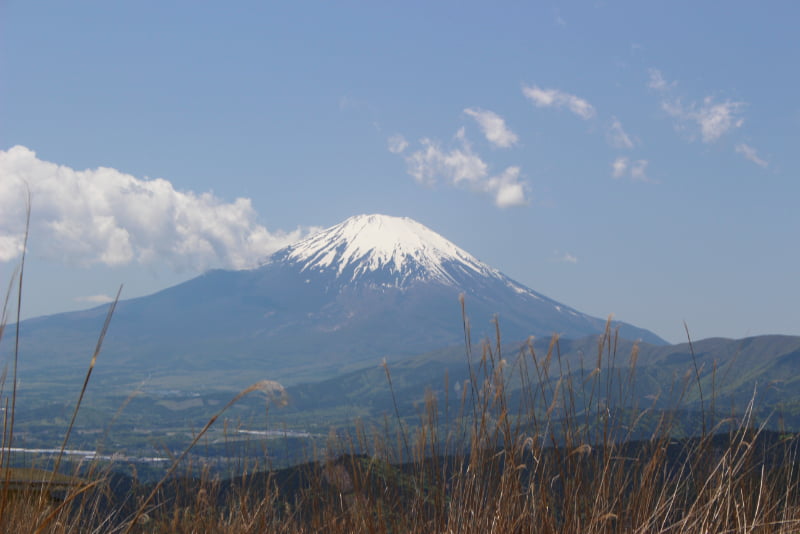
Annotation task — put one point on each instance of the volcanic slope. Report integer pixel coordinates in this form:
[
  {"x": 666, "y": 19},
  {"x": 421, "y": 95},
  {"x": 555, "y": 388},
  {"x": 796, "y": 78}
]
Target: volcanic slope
[{"x": 369, "y": 288}]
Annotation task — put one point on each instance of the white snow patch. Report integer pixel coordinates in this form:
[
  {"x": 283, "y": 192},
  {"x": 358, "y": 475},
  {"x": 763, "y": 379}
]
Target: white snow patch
[
  {"x": 368, "y": 243},
  {"x": 522, "y": 290}
]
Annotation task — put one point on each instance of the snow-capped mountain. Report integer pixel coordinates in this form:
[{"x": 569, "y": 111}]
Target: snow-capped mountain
[
  {"x": 396, "y": 250},
  {"x": 372, "y": 287},
  {"x": 382, "y": 251}
]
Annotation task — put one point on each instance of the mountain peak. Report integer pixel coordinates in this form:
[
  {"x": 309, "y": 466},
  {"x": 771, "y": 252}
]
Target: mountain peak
[{"x": 399, "y": 248}]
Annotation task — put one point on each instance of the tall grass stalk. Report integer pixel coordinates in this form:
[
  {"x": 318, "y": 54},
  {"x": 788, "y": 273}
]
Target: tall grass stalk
[{"x": 534, "y": 443}]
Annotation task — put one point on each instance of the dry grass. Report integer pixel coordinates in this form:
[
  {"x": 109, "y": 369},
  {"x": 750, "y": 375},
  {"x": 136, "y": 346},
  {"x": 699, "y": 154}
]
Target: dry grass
[{"x": 552, "y": 455}]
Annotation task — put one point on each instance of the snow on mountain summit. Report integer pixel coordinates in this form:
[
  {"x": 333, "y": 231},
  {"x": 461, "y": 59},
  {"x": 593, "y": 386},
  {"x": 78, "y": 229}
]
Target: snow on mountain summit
[{"x": 396, "y": 246}]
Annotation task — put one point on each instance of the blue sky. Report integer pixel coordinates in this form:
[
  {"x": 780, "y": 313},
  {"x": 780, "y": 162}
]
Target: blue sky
[{"x": 634, "y": 158}]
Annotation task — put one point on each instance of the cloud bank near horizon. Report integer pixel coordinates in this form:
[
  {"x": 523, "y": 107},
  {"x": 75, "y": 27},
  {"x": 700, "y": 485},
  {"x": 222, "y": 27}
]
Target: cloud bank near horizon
[{"x": 104, "y": 216}]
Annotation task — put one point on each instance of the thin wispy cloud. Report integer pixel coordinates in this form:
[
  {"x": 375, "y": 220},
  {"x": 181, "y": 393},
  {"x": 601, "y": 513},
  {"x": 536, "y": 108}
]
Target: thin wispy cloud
[
  {"x": 348, "y": 102},
  {"x": 617, "y": 137},
  {"x": 564, "y": 257},
  {"x": 751, "y": 154},
  {"x": 397, "y": 144},
  {"x": 710, "y": 119},
  {"x": 553, "y": 98},
  {"x": 715, "y": 120},
  {"x": 639, "y": 171},
  {"x": 460, "y": 166},
  {"x": 494, "y": 127},
  {"x": 559, "y": 20},
  {"x": 104, "y": 216},
  {"x": 619, "y": 167},
  {"x": 636, "y": 170},
  {"x": 656, "y": 81}
]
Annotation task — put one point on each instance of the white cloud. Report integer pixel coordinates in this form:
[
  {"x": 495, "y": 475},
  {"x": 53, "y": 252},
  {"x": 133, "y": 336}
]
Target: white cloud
[
  {"x": 105, "y": 216},
  {"x": 553, "y": 98},
  {"x": 397, "y": 144},
  {"x": 713, "y": 120},
  {"x": 658, "y": 82},
  {"x": 10, "y": 245},
  {"x": 639, "y": 170},
  {"x": 750, "y": 153},
  {"x": 494, "y": 127},
  {"x": 457, "y": 165},
  {"x": 617, "y": 137},
  {"x": 95, "y": 299},
  {"x": 460, "y": 166},
  {"x": 507, "y": 188},
  {"x": 619, "y": 167},
  {"x": 635, "y": 170},
  {"x": 564, "y": 257},
  {"x": 716, "y": 120},
  {"x": 348, "y": 102}
]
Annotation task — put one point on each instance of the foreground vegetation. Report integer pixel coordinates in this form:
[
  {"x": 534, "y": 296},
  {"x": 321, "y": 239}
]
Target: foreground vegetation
[{"x": 560, "y": 452}]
